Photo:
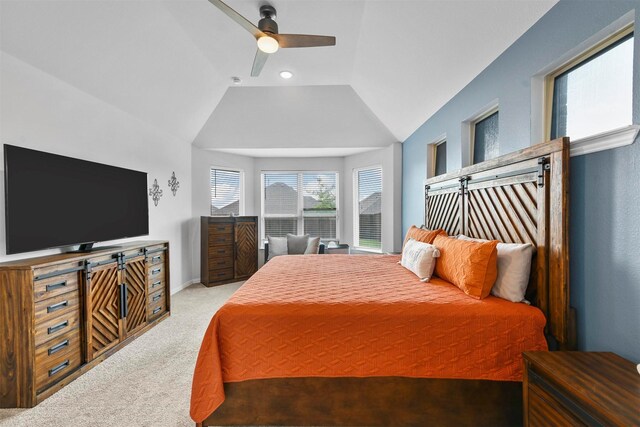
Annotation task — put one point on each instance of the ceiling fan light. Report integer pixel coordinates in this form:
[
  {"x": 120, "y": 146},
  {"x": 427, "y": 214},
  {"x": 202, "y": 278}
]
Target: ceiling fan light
[{"x": 268, "y": 44}]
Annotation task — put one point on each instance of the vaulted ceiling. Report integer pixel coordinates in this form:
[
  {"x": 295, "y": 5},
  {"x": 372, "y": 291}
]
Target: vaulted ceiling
[{"x": 170, "y": 63}]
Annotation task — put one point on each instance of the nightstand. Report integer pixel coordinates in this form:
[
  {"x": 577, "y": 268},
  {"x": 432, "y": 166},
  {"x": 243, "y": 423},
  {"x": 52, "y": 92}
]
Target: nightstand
[{"x": 567, "y": 388}]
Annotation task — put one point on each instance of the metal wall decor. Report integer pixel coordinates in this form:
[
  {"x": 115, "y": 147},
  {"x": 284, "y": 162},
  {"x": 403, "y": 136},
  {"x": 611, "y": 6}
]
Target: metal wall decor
[
  {"x": 155, "y": 192},
  {"x": 174, "y": 184}
]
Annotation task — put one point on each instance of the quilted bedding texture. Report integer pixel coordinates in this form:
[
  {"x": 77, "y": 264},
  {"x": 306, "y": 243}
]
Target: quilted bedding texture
[{"x": 358, "y": 316}]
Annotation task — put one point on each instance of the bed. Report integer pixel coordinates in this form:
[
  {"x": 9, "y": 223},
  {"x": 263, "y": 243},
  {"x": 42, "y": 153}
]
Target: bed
[{"x": 358, "y": 340}]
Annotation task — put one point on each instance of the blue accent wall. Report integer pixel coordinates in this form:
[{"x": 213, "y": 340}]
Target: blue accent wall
[{"x": 605, "y": 186}]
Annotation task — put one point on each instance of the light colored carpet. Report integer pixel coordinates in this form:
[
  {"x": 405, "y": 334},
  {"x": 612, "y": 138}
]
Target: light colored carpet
[{"x": 147, "y": 383}]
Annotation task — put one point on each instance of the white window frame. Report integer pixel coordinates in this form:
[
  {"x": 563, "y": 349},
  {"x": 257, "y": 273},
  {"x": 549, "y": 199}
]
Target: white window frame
[
  {"x": 469, "y": 128},
  {"x": 432, "y": 154},
  {"x": 241, "y": 205},
  {"x": 542, "y": 92},
  {"x": 356, "y": 209},
  {"x": 300, "y": 214}
]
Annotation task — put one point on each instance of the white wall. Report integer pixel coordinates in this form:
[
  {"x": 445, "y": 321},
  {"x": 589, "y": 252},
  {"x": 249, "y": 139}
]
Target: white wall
[
  {"x": 41, "y": 112},
  {"x": 390, "y": 159}
]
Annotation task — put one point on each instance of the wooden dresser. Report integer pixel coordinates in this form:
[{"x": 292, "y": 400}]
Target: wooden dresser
[
  {"x": 62, "y": 314},
  {"x": 228, "y": 249},
  {"x": 579, "y": 388}
]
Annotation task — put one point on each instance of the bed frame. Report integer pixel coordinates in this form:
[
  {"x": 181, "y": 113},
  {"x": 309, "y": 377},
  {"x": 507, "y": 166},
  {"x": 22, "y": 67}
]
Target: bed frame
[{"x": 518, "y": 197}]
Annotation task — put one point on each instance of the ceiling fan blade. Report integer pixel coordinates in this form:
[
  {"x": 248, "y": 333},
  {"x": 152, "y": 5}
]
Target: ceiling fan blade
[
  {"x": 258, "y": 62},
  {"x": 244, "y": 22},
  {"x": 304, "y": 40}
]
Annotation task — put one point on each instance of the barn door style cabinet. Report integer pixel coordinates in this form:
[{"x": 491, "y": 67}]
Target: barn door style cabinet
[
  {"x": 228, "y": 249},
  {"x": 60, "y": 315}
]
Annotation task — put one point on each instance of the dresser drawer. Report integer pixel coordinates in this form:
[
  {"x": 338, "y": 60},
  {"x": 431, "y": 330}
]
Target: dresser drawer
[
  {"x": 155, "y": 285},
  {"x": 156, "y": 309},
  {"x": 155, "y": 272},
  {"x": 57, "y": 306},
  {"x": 220, "y": 252},
  {"x": 55, "y": 327},
  {"x": 216, "y": 229},
  {"x": 57, "y": 358},
  {"x": 220, "y": 239},
  {"x": 546, "y": 410},
  {"x": 55, "y": 285},
  {"x": 156, "y": 297},
  {"x": 220, "y": 263},
  {"x": 155, "y": 258},
  {"x": 217, "y": 275}
]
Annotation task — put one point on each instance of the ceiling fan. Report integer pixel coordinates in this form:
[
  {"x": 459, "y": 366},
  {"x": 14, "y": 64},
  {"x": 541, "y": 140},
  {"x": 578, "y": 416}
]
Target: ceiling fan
[{"x": 267, "y": 37}]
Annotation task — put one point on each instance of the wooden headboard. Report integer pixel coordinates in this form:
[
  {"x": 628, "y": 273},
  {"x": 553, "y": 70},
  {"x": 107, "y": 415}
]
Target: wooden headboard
[{"x": 521, "y": 197}]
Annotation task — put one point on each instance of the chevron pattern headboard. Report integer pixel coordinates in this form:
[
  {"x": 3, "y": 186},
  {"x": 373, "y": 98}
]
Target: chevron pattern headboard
[{"x": 520, "y": 197}]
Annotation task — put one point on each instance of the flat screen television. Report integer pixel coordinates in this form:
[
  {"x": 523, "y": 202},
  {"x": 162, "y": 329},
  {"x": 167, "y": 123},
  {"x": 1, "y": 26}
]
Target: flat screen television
[{"x": 54, "y": 201}]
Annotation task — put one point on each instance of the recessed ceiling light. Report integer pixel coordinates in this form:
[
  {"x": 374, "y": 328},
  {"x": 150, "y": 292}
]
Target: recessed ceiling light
[
  {"x": 286, "y": 74},
  {"x": 236, "y": 80}
]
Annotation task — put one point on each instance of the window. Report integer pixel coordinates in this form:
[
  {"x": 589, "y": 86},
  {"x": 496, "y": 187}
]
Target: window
[
  {"x": 300, "y": 203},
  {"x": 593, "y": 93},
  {"x": 368, "y": 216},
  {"x": 441, "y": 158},
  {"x": 486, "y": 132},
  {"x": 225, "y": 192}
]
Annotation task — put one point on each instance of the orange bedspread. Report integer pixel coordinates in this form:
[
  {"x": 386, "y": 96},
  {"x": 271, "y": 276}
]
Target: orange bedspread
[{"x": 358, "y": 316}]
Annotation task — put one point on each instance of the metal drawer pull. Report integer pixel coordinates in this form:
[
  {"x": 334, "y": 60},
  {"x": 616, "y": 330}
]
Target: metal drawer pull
[
  {"x": 154, "y": 284},
  {"x": 58, "y": 368},
  {"x": 157, "y": 297},
  {"x": 221, "y": 228},
  {"x": 55, "y": 286},
  {"x": 221, "y": 251},
  {"x": 56, "y": 348},
  {"x": 222, "y": 262},
  {"x": 222, "y": 274},
  {"x": 58, "y": 306},
  {"x": 56, "y": 328},
  {"x": 156, "y": 271},
  {"x": 155, "y": 259},
  {"x": 156, "y": 310}
]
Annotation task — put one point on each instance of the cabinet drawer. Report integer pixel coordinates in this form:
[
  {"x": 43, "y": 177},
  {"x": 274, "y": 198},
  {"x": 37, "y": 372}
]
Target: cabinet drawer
[
  {"x": 217, "y": 275},
  {"x": 215, "y": 229},
  {"x": 220, "y": 252},
  {"x": 156, "y": 309},
  {"x": 156, "y": 297},
  {"x": 155, "y": 258},
  {"x": 57, "y": 306},
  {"x": 155, "y": 272},
  {"x": 220, "y": 263},
  {"x": 56, "y": 285},
  {"x": 155, "y": 285},
  {"x": 220, "y": 239},
  {"x": 545, "y": 410},
  {"x": 57, "y": 326},
  {"x": 57, "y": 358}
]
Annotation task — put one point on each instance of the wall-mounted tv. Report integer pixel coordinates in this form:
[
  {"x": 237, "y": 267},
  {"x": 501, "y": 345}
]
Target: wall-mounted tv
[{"x": 53, "y": 201}]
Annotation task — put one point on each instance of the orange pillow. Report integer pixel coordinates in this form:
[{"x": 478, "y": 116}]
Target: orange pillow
[
  {"x": 471, "y": 266},
  {"x": 422, "y": 235}
]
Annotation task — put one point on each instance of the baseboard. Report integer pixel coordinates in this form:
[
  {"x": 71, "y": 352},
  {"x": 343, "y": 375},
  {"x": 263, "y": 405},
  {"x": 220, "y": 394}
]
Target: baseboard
[{"x": 184, "y": 285}]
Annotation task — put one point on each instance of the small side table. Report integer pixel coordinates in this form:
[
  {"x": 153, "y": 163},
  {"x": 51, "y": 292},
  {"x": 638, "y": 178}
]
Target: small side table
[
  {"x": 566, "y": 388},
  {"x": 342, "y": 248}
]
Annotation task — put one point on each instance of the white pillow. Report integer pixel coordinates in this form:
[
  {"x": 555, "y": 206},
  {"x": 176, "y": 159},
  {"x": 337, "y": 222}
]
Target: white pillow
[
  {"x": 514, "y": 267},
  {"x": 419, "y": 258}
]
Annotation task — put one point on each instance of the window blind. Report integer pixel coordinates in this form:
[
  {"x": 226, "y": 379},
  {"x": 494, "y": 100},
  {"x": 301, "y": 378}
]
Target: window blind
[
  {"x": 225, "y": 192},
  {"x": 319, "y": 204},
  {"x": 300, "y": 203},
  {"x": 369, "y": 198}
]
